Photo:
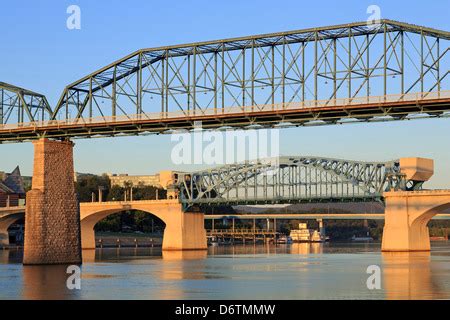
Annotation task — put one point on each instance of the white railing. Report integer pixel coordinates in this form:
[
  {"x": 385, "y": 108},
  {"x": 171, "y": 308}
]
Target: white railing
[
  {"x": 341, "y": 102},
  {"x": 130, "y": 202}
]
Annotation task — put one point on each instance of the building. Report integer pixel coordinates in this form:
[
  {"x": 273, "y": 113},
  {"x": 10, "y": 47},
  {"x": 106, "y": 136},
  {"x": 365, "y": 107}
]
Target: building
[
  {"x": 12, "y": 190},
  {"x": 164, "y": 179},
  {"x": 123, "y": 180}
]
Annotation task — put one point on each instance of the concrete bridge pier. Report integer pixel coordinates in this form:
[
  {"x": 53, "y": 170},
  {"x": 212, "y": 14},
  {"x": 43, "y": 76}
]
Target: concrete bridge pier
[
  {"x": 402, "y": 231},
  {"x": 407, "y": 214},
  {"x": 4, "y": 236},
  {"x": 52, "y": 219},
  {"x": 185, "y": 231}
]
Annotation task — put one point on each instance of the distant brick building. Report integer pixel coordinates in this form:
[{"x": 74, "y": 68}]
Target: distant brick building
[
  {"x": 163, "y": 179},
  {"x": 12, "y": 191}
]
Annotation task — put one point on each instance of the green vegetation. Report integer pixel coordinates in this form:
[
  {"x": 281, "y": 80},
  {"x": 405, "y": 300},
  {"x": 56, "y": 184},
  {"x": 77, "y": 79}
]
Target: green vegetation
[
  {"x": 87, "y": 185},
  {"x": 439, "y": 228},
  {"x": 131, "y": 221}
]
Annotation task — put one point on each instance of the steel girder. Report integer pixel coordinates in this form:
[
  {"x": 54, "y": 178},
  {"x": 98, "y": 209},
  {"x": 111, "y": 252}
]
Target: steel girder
[
  {"x": 291, "y": 180},
  {"x": 343, "y": 61},
  {"x": 18, "y": 105}
]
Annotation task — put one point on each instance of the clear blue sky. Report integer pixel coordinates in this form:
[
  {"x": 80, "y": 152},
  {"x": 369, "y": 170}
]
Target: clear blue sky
[{"x": 38, "y": 52}]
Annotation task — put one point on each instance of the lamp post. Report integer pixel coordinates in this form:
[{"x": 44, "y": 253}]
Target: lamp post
[{"x": 100, "y": 193}]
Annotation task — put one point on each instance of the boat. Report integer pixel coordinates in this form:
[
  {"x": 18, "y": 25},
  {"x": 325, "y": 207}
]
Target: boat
[
  {"x": 213, "y": 240},
  {"x": 284, "y": 240},
  {"x": 303, "y": 234}
]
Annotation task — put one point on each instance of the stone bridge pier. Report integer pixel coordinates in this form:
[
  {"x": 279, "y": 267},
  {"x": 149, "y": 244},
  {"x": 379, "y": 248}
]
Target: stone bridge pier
[
  {"x": 52, "y": 219},
  {"x": 184, "y": 230}
]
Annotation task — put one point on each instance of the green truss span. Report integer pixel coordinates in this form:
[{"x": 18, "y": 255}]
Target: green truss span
[{"x": 293, "y": 179}]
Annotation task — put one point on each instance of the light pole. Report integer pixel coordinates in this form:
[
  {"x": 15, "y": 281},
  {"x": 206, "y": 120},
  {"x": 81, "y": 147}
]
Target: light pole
[{"x": 100, "y": 193}]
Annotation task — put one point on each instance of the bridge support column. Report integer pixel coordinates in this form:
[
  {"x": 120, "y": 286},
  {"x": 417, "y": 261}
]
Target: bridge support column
[
  {"x": 4, "y": 237},
  {"x": 184, "y": 231},
  {"x": 405, "y": 226},
  {"x": 52, "y": 219},
  {"x": 87, "y": 235}
]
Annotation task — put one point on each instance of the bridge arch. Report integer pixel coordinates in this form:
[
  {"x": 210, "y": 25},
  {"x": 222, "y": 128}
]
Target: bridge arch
[
  {"x": 89, "y": 222},
  {"x": 5, "y": 223},
  {"x": 420, "y": 221},
  {"x": 184, "y": 230},
  {"x": 430, "y": 213}
]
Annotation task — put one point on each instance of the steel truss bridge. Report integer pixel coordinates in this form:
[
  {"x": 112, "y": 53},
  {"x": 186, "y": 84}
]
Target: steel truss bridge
[
  {"x": 292, "y": 180},
  {"x": 337, "y": 74}
]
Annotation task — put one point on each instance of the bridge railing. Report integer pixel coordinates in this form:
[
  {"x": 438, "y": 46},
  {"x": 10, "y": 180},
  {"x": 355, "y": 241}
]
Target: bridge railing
[
  {"x": 122, "y": 202},
  {"x": 337, "y": 102},
  {"x": 219, "y": 232}
]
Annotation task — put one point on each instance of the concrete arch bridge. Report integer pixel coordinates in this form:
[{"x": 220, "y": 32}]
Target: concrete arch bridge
[{"x": 292, "y": 179}]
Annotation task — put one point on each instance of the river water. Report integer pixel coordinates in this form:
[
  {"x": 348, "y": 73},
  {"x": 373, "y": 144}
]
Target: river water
[{"x": 296, "y": 271}]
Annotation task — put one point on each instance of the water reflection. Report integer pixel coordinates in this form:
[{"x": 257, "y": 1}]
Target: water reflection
[
  {"x": 11, "y": 256},
  {"x": 89, "y": 256},
  {"x": 180, "y": 265},
  {"x": 296, "y": 271},
  {"x": 46, "y": 283},
  {"x": 294, "y": 248},
  {"x": 408, "y": 275},
  {"x": 185, "y": 255},
  {"x": 238, "y": 249},
  {"x": 120, "y": 254},
  {"x": 306, "y": 248}
]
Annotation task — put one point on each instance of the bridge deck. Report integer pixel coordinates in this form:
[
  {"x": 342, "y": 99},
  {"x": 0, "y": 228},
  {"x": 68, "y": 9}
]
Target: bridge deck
[
  {"x": 239, "y": 232},
  {"x": 5, "y": 212},
  {"x": 313, "y": 216},
  {"x": 317, "y": 112}
]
